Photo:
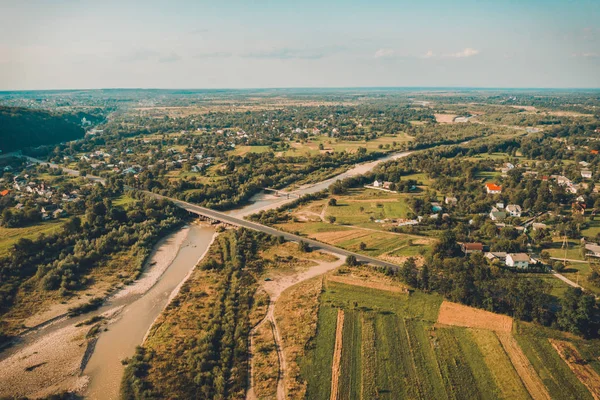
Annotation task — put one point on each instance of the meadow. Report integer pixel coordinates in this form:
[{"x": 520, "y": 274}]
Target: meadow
[{"x": 394, "y": 347}]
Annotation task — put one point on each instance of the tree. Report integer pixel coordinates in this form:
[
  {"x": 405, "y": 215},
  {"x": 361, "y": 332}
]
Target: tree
[
  {"x": 351, "y": 260},
  {"x": 362, "y": 246},
  {"x": 408, "y": 272},
  {"x": 332, "y": 201},
  {"x": 304, "y": 247},
  {"x": 331, "y": 219}
]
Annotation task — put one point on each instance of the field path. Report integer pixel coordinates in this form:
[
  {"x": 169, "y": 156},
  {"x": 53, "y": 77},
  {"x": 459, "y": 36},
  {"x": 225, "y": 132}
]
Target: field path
[
  {"x": 337, "y": 356},
  {"x": 274, "y": 288},
  {"x": 528, "y": 375}
]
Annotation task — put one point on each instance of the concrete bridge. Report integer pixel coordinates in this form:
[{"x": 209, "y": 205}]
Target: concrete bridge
[
  {"x": 213, "y": 215},
  {"x": 281, "y": 193}
]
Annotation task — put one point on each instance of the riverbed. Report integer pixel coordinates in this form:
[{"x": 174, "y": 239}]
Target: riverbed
[
  {"x": 134, "y": 309},
  {"x": 131, "y": 324}
]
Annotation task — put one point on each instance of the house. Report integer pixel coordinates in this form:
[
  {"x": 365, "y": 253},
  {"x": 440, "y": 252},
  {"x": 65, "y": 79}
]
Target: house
[
  {"x": 451, "y": 201},
  {"x": 593, "y": 250},
  {"x": 517, "y": 260},
  {"x": 586, "y": 173},
  {"x": 497, "y": 215},
  {"x": 539, "y": 226},
  {"x": 492, "y": 188},
  {"x": 514, "y": 210},
  {"x": 500, "y": 206},
  {"x": 496, "y": 255},
  {"x": 407, "y": 222},
  {"x": 4, "y": 192},
  {"x": 436, "y": 207},
  {"x": 584, "y": 163},
  {"x": 377, "y": 183},
  {"x": 469, "y": 248},
  {"x": 58, "y": 213},
  {"x": 578, "y": 208}
]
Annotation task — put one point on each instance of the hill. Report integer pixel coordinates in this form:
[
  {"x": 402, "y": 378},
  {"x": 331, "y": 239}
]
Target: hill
[{"x": 22, "y": 127}]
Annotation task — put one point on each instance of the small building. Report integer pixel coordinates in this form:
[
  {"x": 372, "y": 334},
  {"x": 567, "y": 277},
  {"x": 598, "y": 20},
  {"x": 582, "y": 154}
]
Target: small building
[
  {"x": 586, "y": 173},
  {"x": 436, "y": 207},
  {"x": 578, "y": 208},
  {"x": 514, "y": 210},
  {"x": 518, "y": 260},
  {"x": 496, "y": 255},
  {"x": 492, "y": 188},
  {"x": 593, "y": 250},
  {"x": 4, "y": 192},
  {"x": 497, "y": 215},
  {"x": 469, "y": 248},
  {"x": 451, "y": 201}
]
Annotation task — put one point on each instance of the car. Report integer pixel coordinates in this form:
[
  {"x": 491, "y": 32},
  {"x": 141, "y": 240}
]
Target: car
[{"x": 268, "y": 279}]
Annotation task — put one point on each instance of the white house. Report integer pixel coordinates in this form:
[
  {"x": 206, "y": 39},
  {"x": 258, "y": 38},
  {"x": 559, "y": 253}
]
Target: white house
[
  {"x": 517, "y": 260},
  {"x": 451, "y": 201},
  {"x": 593, "y": 250},
  {"x": 514, "y": 210},
  {"x": 586, "y": 173}
]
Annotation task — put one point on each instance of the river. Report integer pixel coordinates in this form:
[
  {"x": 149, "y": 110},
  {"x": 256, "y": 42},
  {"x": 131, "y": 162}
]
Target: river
[{"x": 129, "y": 327}]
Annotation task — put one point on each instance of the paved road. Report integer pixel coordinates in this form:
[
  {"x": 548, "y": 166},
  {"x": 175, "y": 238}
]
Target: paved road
[{"x": 206, "y": 212}]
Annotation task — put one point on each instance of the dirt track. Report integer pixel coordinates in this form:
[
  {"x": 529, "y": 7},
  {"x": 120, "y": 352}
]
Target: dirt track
[
  {"x": 337, "y": 356},
  {"x": 528, "y": 375},
  {"x": 274, "y": 288}
]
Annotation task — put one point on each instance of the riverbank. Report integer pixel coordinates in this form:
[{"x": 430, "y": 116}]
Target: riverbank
[
  {"x": 129, "y": 328},
  {"x": 53, "y": 362}
]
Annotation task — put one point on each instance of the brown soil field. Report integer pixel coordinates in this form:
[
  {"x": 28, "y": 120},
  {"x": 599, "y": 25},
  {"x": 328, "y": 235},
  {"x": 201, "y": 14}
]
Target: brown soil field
[
  {"x": 445, "y": 118},
  {"x": 459, "y": 315},
  {"x": 265, "y": 362},
  {"x": 340, "y": 236},
  {"x": 528, "y": 375},
  {"x": 296, "y": 315},
  {"x": 584, "y": 372},
  {"x": 356, "y": 281},
  {"x": 337, "y": 356}
]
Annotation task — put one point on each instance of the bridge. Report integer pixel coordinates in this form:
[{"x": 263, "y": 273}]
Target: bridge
[
  {"x": 212, "y": 215},
  {"x": 281, "y": 193}
]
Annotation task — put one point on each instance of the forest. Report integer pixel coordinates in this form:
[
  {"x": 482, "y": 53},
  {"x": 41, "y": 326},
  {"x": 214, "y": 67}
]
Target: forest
[{"x": 22, "y": 127}]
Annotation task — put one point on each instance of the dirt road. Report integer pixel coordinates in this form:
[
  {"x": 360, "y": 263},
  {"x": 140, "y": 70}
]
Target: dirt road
[{"x": 274, "y": 289}]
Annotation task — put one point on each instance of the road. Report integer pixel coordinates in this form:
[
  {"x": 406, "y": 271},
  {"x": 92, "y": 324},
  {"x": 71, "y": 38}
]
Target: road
[{"x": 217, "y": 215}]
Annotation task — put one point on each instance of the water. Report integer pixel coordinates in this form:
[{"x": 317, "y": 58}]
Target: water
[
  {"x": 128, "y": 331},
  {"x": 119, "y": 342}
]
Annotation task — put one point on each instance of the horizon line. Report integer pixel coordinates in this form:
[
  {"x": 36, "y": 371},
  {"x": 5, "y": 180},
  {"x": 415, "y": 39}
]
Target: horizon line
[{"x": 307, "y": 88}]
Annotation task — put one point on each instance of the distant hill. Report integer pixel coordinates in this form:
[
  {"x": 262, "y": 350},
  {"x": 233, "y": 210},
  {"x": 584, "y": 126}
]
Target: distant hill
[{"x": 22, "y": 127}]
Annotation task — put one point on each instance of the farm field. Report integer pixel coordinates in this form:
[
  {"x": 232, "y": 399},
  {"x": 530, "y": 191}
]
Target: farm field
[
  {"x": 362, "y": 216},
  {"x": 394, "y": 347},
  {"x": 9, "y": 236}
]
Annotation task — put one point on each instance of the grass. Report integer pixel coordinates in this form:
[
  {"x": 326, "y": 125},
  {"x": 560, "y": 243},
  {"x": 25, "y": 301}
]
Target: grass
[
  {"x": 392, "y": 349},
  {"x": 9, "y": 236},
  {"x": 498, "y": 363},
  {"x": 553, "y": 371},
  {"x": 592, "y": 230},
  {"x": 350, "y": 374},
  {"x": 316, "y": 367}
]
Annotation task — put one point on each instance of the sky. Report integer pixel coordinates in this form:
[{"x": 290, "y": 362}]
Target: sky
[{"x": 80, "y": 44}]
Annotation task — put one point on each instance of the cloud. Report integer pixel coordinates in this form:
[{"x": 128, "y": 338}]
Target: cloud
[
  {"x": 169, "y": 58},
  {"x": 286, "y": 53},
  {"x": 215, "y": 54},
  {"x": 429, "y": 54},
  {"x": 586, "y": 55},
  {"x": 468, "y": 52},
  {"x": 384, "y": 53},
  {"x": 139, "y": 55}
]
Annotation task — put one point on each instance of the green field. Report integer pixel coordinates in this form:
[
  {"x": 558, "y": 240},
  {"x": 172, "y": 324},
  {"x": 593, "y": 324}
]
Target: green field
[
  {"x": 553, "y": 371},
  {"x": 391, "y": 349},
  {"x": 9, "y": 236}
]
